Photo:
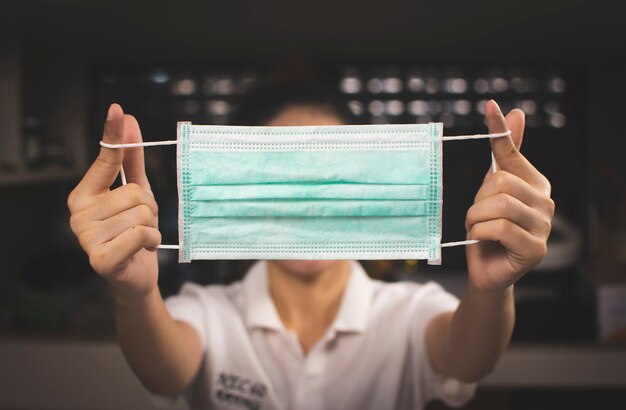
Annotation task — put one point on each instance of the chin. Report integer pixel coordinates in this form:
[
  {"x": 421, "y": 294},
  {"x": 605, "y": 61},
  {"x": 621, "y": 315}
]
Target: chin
[{"x": 305, "y": 267}]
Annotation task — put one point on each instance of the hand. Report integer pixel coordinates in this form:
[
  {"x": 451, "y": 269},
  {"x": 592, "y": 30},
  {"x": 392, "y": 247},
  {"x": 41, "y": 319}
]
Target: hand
[
  {"x": 512, "y": 211},
  {"x": 118, "y": 228}
]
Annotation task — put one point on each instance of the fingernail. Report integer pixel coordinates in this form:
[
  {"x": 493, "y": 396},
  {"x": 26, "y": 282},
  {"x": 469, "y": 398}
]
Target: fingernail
[
  {"x": 110, "y": 113},
  {"x": 497, "y": 106}
]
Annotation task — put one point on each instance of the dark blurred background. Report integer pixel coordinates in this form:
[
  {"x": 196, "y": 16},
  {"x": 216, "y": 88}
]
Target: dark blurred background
[{"x": 62, "y": 62}]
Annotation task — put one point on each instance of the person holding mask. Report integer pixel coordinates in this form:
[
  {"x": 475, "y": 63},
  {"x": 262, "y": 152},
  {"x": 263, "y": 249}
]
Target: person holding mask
[{"x": 311, "y": 334}]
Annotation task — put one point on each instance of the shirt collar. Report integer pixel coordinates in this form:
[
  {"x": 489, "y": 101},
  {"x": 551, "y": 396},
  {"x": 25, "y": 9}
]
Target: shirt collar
[
  {"x": 260, "y": 310},
  {"x": 355, "y": 304}
]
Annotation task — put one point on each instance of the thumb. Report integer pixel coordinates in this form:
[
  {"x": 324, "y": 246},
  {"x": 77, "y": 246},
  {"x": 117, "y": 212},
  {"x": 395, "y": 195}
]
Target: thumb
[
  {"x": 134, "y": 163},
  {"x": 505, "y": 149},
  {"x": 516, "y": 122},
  {"x": 105, "y": 168}
]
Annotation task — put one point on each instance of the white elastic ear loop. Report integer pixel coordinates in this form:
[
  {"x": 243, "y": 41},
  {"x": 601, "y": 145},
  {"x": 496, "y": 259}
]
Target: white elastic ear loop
[
  {"x": 493, "y": 170},
  {"x": 134, "y": 145},
  {"x": 138, "y": 144},
  {"x": 476, "y": 136},
  {"x": 123, "y": 174}
]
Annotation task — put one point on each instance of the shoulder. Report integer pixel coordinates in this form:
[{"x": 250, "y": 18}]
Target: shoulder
[
  {"x": 410, "y": 301},
  {"x": 213, "y": 302},
  {"x": 195, "y": 290},
  {"x": 211, "y": 310},
  {"x": 401, "y": 293}
]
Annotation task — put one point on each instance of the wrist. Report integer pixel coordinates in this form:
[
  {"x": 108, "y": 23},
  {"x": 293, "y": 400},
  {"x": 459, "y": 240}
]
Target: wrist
[
  {"x": 129, "y": 300},
  {"x": 499, "y": 292}
]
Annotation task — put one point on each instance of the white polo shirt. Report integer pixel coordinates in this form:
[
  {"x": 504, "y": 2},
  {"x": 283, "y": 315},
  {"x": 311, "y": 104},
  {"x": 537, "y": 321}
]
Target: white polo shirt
[{"x": 372, "y": 357}]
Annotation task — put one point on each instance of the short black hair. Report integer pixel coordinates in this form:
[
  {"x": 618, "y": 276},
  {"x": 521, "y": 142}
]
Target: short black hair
[{"x": 264, "y": 102}]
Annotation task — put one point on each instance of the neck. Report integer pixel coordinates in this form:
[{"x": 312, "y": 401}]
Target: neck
[{"x": 307, "y": 304}]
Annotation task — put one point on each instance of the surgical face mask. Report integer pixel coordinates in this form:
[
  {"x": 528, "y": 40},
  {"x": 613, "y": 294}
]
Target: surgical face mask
[{"x": 313, "y": 192}]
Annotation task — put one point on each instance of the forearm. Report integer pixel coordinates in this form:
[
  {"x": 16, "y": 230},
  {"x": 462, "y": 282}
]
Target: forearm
[
  {"x": 511, "y": 220},
  {"x": 476, "y": 335},
  {"x": 163, "y": 353}
]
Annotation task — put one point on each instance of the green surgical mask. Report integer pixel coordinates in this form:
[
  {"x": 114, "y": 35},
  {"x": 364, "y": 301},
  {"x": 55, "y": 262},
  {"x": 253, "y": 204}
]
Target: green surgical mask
[{"x": 313, "y": 192}]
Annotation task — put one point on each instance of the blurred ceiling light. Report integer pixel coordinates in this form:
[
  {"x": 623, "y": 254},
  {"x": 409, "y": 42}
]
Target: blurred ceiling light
[
  {"x": 224, "y": 86},
  {"x": 480, "y": 106},
  {"x": 557, "y": 120},
  {"x": 376, "y": 107},
  {"x": 375, "y": 85},
  {"x": 528, "y": 106},
  {"x": 218, "y": 107},
  {"x": 432, "y": 86},
  {"x": 350, "y": 85},
  {"x": 185, "y": 86},
  {"x": 218, "y": 86},
  {"x": 462, "y": 107},
  {"x": 455, "y": 85},
  {"x": 519, "y": 85},
  {"x": 160, "y": 76},
  {"x": 481, "y": 86},
  {"x": 394, "y": 107},
  {"x": 499, "y": 84},
  {"x": 392, "y": 85},
  {"x": 415, "y": 84},
  {"x": 556, "y": 85},
  {"x": 356, "y": 107},
  {"x": 418, "y": 107}
]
